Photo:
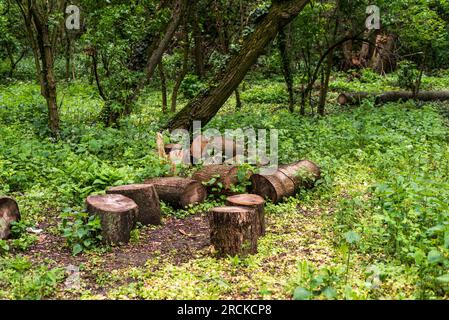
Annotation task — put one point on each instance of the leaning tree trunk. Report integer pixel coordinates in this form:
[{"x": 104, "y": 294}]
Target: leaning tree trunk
[
  {"x": 204, "y": 106},
  {"x": 9, "y": 213},
  {"x": 392, "y": 96},
  {"x": 179, "y": 192}
]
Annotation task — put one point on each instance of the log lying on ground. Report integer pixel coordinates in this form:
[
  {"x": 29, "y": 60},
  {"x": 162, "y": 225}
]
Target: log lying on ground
[
  {"x": 203, "y": 147},
  {"x": 252, "y": 201},
  {"x": 179, "y": 192},
  {"x": 224, "y": 175},
  {"x": 274, "y": 187},
  {"x": 392, "y": 96},
  {"x": 118, "y": 215},
  {"x": 234, "y": 231},
  {"x": 304, "y": 173},
  {"x": 286, "y": 181},
  {"x": 9, "y": 213},
  {"x": 146, "y": 198}
]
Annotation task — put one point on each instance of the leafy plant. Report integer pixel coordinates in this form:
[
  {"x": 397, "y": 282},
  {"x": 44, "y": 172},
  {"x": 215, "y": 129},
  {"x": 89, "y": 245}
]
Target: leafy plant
[{"x": 81, "y": 230}]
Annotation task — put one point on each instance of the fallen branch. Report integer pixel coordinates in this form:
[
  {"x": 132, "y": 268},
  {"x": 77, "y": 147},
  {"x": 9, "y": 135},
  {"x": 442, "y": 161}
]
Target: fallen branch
[{"x": 392, "y": 96}]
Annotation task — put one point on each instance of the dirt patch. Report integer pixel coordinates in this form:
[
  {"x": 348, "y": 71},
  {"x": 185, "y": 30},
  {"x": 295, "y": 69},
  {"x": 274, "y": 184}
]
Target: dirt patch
[{"x": 181, "y": 239}]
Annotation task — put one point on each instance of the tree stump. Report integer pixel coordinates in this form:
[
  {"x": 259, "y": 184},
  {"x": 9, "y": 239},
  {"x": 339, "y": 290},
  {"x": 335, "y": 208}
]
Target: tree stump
[
  {"x": 179, "y": 192},
  {"x": 9, "y": 213},
  {"x": 118, "y": 215},
  {"x": 274, "y": 187},
  {"x": 252, "y": 201},
  {"x": 146, "y": 198},
  {"x": 304, "y": 173},
  {"x": 234, "y": 231},
  {"x": 225, "y": 175}
]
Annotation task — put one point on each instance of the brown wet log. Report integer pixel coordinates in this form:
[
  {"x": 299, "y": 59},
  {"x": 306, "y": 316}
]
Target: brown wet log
[
  {"x": 234, "y": 231},
  {"x": 224, "y": 175},
  {"x": 251, "y": 201},
  {"x": 274, "y": 187},
  {"x": 179, "y": 192},
  {"x": 304, "y": 173},
  {"x": 9, "y": 213},
  {"x": 146, "y": 198},
  {"x": 117, "y": 214}
]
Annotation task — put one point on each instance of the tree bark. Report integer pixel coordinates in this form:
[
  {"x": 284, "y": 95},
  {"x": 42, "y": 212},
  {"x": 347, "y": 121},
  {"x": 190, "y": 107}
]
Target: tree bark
[
  {"x": 304, "y": 173},
  {"x": 146, "y": 198},
  {"x": 9, "y": 213},
  {"x": 206, "y": 105},
  {"x": 163, "y": 86},
  {"x": 179, "y": 192},
  {"x": 117, "y": 214},
  {"x": 234, "y": 231},
  {"x": 254, "y": 202},
  {"x": 286, "y": 69},
  {"x": 274, "y": 187}
]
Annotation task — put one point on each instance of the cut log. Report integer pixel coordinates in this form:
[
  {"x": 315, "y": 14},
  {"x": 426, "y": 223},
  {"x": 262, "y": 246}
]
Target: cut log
[
  {"x": 172, "y": 147},
  {"x": 274, "y": 187},
  {"x": 205, "y": 148},
  {"x": 9, "y": 213},
  {"x": 234, "y": 231},
  {"x": 392, "y": 96},
  {"x": 252, "y": 201},
  {"x": 224, "y": 175},
  {"x": 118, "y": 215},
  {"x": 179, "y": 192},
  {"x": 146, "y": 198},
  {"x": 304, "y": 173}
]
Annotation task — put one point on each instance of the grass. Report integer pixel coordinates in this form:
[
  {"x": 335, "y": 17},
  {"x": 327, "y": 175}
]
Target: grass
[{"x": 373, "y": 228}]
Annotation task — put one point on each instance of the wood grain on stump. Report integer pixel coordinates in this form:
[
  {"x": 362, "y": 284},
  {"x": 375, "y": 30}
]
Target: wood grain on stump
[
  {"x": 146, "y": 198},
  {"x": 118, "y": 215},
  {"x": 9, "y": 213},
  {"x": 274, "y": 187},
  {"x": 224, "y": 175},
  {"x": 234, "y": 230},
  {"x": 252, "y": 201},
  {"x": 179, "y": 192}
]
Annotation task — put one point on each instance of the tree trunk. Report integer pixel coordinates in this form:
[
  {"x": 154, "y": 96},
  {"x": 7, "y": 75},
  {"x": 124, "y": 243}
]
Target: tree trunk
[
  {"x": 179, "y": 192},
  {"x": 234, "y": 231},
  {"x": 9, "y": 213},
  {"x": 392, "y": 96},
  {"x": 163, "y": 86},
  {"x": 206, "y": 105},
  {"x": 238, "y": 101},
  {"x": 117, "y": 214},
  {"x": 182, "y": 74},
  {"x": 325, "y": 85},
  {"x": 146, "y": 198},
  {"x": 383, "y": 60},
  {"x": 251, "y": 201},
  {"x": 287, "y": 69}
]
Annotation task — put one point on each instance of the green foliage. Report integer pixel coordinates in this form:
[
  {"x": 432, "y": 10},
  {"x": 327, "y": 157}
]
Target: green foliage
[
  {"x": 408, "y": 76},
  {"x": 191, "y": 86},
  {"x": 19, "y": 280},
  {"x": 81, "y": 230}
]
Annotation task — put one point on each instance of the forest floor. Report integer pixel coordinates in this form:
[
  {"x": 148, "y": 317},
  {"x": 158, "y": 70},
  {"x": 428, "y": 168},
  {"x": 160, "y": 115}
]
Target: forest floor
[{"x": 373, "y": 228}]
